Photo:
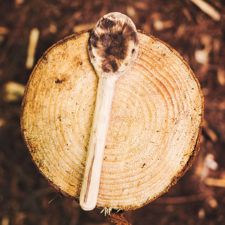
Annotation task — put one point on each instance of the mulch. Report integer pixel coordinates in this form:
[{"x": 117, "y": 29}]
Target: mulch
[{"x": 25, "y": 195}]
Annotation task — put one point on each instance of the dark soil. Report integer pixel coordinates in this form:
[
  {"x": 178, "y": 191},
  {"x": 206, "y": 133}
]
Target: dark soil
[{"x": 25, "y": 195}]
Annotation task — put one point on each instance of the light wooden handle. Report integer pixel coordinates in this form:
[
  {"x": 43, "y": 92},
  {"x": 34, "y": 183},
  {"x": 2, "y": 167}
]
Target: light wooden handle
[{"x": 91, "y": 180}]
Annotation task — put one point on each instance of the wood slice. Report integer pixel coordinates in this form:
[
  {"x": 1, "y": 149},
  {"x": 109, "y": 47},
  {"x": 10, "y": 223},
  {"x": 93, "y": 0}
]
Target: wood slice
[{"x": 154, "y": 126}]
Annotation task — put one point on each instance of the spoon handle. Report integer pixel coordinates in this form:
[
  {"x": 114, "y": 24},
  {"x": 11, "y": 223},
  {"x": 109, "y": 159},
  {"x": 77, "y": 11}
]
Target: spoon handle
[{"x": 95, "y": 153}]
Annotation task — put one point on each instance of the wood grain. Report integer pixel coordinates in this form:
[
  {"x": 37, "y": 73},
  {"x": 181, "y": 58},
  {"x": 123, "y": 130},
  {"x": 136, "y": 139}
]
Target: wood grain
[{"x": 154, "y": 127}]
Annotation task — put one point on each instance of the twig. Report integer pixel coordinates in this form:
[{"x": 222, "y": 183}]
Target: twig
[{"x": 208, "y": 9}]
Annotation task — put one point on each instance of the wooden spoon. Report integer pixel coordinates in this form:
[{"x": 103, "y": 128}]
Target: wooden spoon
[{"x": 112, "y": 47}]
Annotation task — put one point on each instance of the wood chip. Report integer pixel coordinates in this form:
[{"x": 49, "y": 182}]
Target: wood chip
[
  {"x": 221, "y": 105},
  {"x": 13, "y": 91},
  {"x": 212, "y": 202},
  {"x": 181, "y": 30},
  {"x": 52, "y": 28},
  {"x": 141, "y": 5},
  {"x": 82, "y": 27},
  {"x": 212, "y": 135},
  {"x": 201, "y": 213},
  {"x": 147, "y": 28},
  {"x": 2, "y": 122},
  {"x": 4, "y": 30},
  {"x": 216, "y": 45},
  {"x": 202, "y": 56},
  {"x": 131, "y": 11},
  {"x": 205, "y": 91},
  {"x": 19, "y": 2},
  {"x": 33, "y": 40},
  {"x": 187, "y": 14},
  {"x": 206, "y": 40},
  {"x": 221, "y": 76},
  {"x": 208, "y": 9},
  {"x": 215, "y": 182},
  {"x": 205, "y": 165},
  {"x": 210, "y": 162},
  {"x": 5, "y": 220},
  {"x": 161, "y": 25}
]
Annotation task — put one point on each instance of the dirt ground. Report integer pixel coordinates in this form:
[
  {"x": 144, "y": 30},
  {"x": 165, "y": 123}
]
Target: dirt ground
[{"x": 25, "y": 195}]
